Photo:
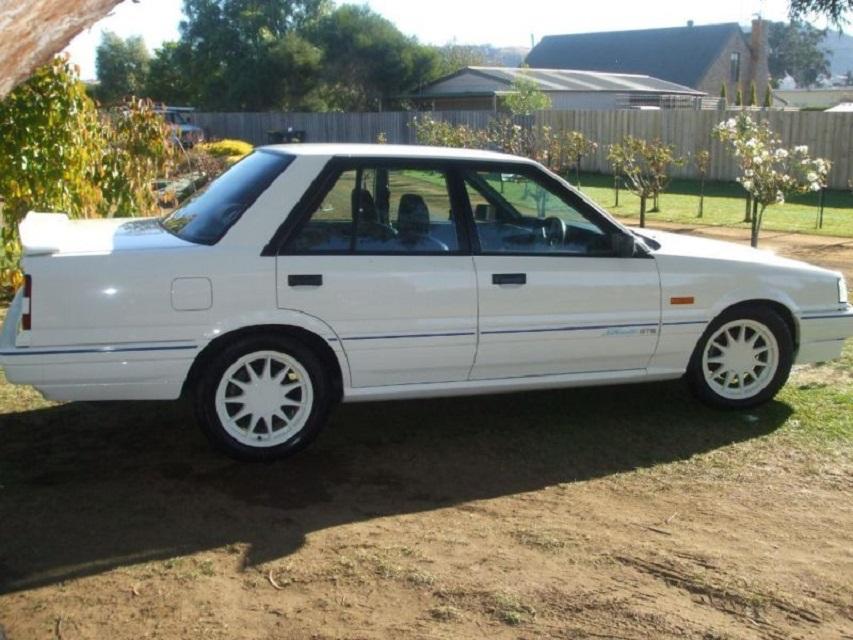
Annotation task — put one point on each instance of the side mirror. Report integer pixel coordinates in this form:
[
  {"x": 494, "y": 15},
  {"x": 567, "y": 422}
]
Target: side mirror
[{"x": 624, "y": 245}]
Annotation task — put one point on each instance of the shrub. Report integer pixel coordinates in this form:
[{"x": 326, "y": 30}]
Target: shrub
[
  {"x": 227, "y": 148},
  {"x": 769, "y": 172},
  {"x": 57, "y": 153},
  {"x": 645, "y": 165}
]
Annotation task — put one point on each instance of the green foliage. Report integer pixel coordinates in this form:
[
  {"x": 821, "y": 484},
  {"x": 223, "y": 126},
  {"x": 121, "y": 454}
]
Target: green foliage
[
  {"x": 58, "y": 154},
  {"x": 768, "y": 97},
  {"x": 50, "y": 145},
  {"x": 137, "y": 151},
  {"x": 438, "y": 133},
  {"x": 796, "y": 48},
  {"x": 227, "y": 148},
  {"x": 753, "y": 95},
  {"x": 769, "y": 171},
  {"x": 368, "y": 59},
  {"x": 739, "y": 97},
  {"x": 645, "y": 166},
  {"x": 122, "y": 67},
  {"x": 526, "y": 98},
  {"x": 167, "y": 80},
  {"x": 724, "y": 93},
  {"x": 240, "y": 54},
  {"x": 833, "y": 10}
]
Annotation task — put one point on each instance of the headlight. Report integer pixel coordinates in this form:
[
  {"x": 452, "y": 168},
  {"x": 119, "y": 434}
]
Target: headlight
[{"x": 842, "y": 291}]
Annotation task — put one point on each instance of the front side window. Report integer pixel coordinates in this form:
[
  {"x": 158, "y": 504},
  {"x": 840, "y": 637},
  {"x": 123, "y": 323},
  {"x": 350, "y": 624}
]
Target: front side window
[
  {"x": 205, "y": 217},
  {"x": 516, "y": 213},
  {"x": 381, "y": 210}
]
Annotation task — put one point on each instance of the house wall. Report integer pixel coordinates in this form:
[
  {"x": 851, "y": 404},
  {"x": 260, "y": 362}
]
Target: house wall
[
  {"x": 593, "y": 100},
  {"x": 751, "y": 68}
]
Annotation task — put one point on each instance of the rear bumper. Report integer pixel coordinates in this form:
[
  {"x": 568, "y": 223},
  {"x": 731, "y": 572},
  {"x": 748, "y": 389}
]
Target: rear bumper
[
  {"x": 126, "y": 371},
  {"x": 822, "y": 335}
]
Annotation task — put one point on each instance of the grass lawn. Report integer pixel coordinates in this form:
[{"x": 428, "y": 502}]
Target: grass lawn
[{"x": 724, "y": 206}]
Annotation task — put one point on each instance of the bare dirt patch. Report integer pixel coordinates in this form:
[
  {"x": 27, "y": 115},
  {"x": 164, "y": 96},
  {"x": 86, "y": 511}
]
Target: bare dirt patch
[
  {"x": 562, "y": 515},
  {"x": 620, "y": 513}
]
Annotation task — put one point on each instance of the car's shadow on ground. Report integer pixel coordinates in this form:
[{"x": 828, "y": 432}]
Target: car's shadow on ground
[{"x": 89, "y": 487}]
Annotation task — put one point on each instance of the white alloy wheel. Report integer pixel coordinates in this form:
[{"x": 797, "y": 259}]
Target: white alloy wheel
[
  {"x": 740, "y": 359},
  {"x": 264, "y": 398}
]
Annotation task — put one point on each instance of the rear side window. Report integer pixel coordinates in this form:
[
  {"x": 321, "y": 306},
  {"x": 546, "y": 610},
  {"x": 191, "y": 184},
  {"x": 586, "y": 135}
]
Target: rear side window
[
  {"x": 205, "y": 217},
  {"x": 382, "y": 210}
]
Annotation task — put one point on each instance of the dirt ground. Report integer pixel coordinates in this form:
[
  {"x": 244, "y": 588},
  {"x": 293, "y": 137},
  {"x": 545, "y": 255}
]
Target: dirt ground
[{"x": 621, "y": 513}]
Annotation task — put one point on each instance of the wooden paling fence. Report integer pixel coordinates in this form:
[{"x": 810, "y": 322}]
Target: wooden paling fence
[{"x": 828, "y": 135}]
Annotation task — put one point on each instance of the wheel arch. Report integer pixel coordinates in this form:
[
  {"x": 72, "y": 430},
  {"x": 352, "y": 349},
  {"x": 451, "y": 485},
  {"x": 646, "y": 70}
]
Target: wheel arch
[
  {"x": 783, "y": 310},
  {"x": 317, "y": 344}
]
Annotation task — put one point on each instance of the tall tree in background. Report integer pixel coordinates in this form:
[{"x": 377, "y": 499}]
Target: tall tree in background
[
  {"x": 367, "y": 59},
  {"x": 832, "y": 10},
  {"x": 122, "y": 67},
  {"x": 796, "y": 49},
  {"x": 237, "y": 55},
  {"x": 168, "y": 79}
]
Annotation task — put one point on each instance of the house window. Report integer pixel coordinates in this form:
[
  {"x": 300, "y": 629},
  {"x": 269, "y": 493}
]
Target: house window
[{"x": 735, "y": 67}]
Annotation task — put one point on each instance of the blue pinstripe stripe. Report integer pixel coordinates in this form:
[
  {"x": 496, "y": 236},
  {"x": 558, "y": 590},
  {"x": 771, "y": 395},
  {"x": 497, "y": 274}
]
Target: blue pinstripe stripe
[
  {"x": 26, "y": 351},
  {"x": 512, "y": 331},
  {"x": 829, "y": 317}
]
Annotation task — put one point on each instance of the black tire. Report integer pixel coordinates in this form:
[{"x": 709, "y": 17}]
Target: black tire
[
  {"x": 781, "y": 332},
  {"x": 204, "y": 398}
]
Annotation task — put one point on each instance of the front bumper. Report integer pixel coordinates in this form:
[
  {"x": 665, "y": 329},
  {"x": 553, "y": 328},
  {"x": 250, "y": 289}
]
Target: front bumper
[{"x": 822, "y": 335}]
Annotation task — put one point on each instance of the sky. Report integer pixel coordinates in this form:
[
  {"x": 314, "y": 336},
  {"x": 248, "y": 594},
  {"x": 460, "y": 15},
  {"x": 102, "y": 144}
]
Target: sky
[{"x": 502, "y": 23}]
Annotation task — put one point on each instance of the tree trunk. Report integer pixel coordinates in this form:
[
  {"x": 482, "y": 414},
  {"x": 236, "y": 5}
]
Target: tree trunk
[
  {"x": 702, "y": 197},
  {"x": 643, "y": 211},
  {"x": 748, "y": 213},
  {"x": 578, "y": 172},
  {"x": 820, "y": 205},
  {"x": 616, "y": 189},
  {"x": 757, "y": 215}
]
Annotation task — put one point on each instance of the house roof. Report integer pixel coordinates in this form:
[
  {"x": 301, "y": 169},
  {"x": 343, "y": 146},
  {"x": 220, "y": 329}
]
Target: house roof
[
  {"x": 679, "y": 54},
  {"x": 556, "y": 80}
]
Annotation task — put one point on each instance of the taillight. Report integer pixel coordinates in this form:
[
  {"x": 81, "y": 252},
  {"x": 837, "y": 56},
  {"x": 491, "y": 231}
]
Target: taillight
[{"x": 27, "y": 316}]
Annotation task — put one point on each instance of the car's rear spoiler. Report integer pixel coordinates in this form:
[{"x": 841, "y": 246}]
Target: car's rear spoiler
[{"x": 42, "y": 233}]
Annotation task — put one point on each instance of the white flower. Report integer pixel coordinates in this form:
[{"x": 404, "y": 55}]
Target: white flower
[
  {"x": 780, "y": 197},
  {"x": 801, "y": 149},
  {"x": 815, "y": 186},
  {"x": 781, "y": 154},
  {"x": 811, "y": 176},
  {"x": 757, "y": 160},
  {"x": 747, "y": 184}
]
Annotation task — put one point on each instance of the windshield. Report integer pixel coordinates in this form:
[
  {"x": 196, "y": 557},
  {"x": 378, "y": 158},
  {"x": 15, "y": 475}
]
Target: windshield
[{"x": 206, "y": 216}]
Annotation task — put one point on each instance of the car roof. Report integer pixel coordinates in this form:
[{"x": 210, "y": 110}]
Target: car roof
[{"x": 393, "y": 151}]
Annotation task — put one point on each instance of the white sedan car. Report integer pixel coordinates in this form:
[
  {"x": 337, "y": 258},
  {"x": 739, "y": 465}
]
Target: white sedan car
[{"x": 310, "y": 274}]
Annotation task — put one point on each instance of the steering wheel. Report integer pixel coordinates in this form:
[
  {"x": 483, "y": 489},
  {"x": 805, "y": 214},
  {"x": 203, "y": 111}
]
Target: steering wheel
[{"x": 555, "y": 231}]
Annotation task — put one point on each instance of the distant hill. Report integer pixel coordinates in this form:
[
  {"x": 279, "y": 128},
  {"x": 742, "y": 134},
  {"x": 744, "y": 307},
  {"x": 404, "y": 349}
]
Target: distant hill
[
  {"x": 498, "y": 56},
  {"x": 506, "y": 56},
  {"x": 841, "y": 45}
]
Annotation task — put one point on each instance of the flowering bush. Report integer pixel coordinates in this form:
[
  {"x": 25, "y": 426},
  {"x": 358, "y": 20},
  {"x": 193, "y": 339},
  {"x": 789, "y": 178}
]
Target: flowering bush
[
  {"x": 645, "y": 165},
  {"x": 438, "y": 133},
  {"x": 769, "y": 171}
]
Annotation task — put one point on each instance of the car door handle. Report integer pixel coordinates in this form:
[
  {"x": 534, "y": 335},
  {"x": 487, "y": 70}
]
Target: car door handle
[
  {"x": 509, "y": 278},
  {"x": 312, "y": 280}
]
